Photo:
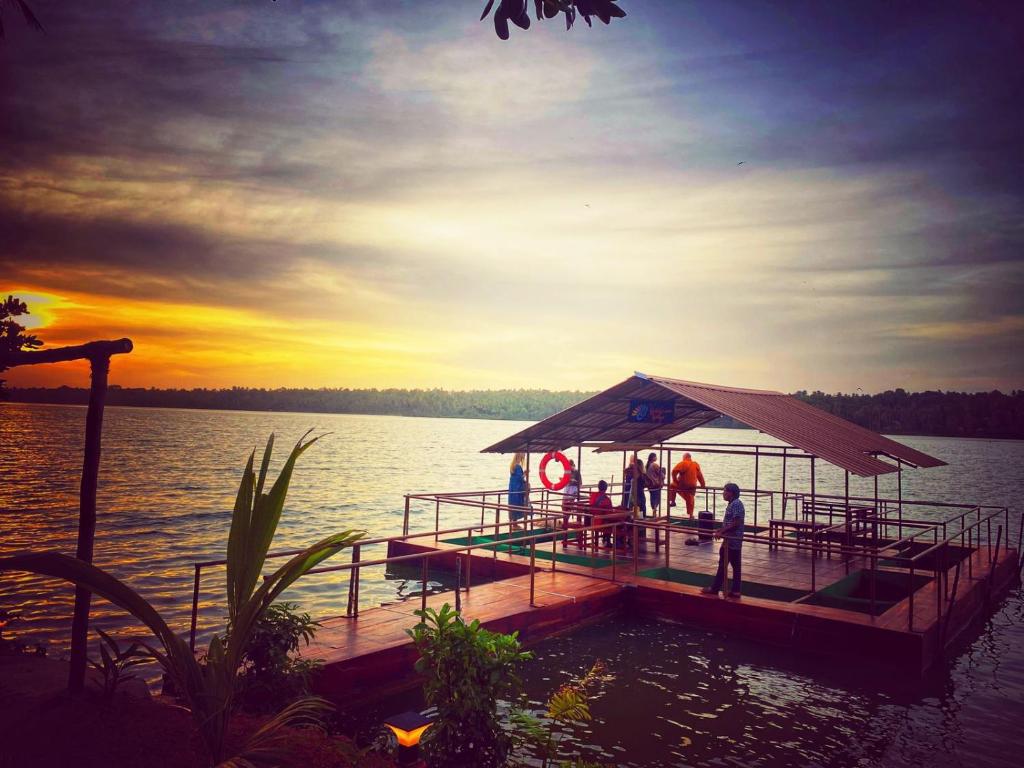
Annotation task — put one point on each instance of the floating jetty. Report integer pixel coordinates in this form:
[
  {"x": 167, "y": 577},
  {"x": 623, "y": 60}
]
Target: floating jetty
[{"x": 885, "y": 582}]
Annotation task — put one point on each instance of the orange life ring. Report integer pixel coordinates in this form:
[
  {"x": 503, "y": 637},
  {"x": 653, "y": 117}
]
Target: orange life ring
[{"x": 566, "y": 473}]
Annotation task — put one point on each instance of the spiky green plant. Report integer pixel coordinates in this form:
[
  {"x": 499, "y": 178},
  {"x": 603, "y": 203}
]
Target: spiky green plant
[{"x": 209, "y": 686}]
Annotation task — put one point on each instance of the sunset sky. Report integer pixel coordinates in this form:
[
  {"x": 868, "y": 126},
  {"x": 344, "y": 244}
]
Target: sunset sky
[{"x": 785, "y": 195}]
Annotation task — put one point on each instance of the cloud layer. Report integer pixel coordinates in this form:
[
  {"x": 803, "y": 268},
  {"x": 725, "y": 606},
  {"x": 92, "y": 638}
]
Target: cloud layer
[{"x": 383, "y": 194}]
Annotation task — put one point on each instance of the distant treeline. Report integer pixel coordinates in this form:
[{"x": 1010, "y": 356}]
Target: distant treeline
[{"x": 952, "y": 414}]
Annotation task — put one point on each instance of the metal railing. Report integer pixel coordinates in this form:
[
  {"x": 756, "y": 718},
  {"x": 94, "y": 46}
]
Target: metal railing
[{"x": 549, "y": 509}]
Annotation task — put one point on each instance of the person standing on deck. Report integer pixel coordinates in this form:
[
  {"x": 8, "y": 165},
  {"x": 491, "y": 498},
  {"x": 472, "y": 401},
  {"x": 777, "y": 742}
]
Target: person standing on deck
[
  {"x": 517, "y": 489},
  {"x": 732, "y": 545},
  {"x": 655, "y": 479},
  {"x": 572, "y": 490},
  {"x": 637, "y": 485},
  {"x": 685, "y": 477}
]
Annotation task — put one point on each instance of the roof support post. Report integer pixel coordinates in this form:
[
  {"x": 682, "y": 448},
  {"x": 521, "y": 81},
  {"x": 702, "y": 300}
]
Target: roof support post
[
  {"x": 757, "y": 466},
  {"x": 899, "y": 494},
  {"x": 100, "y": 367},
  {"x": 849, "y": 537},
  {"x": 579, "y": 469},
  {"x": 669, "y": 495},
  {"x": 812, "y": 490},
  {"x": 783, "y": 483}
]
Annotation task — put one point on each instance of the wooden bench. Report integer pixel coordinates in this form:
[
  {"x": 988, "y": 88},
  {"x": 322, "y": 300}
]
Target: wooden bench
[
  {"x": 576, "y": 520},
  {"x": 777, "y": 529}
]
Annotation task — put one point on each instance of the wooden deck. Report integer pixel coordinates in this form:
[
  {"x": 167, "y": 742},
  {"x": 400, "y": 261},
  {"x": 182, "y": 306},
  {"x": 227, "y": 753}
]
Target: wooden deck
[{"x": 373, "y": 652}]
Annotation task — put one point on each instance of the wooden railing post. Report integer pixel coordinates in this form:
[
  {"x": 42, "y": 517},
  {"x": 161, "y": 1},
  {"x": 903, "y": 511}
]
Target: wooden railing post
[
  {"x": 405, "y": 519},
  {"x": 195, "y": 610}
]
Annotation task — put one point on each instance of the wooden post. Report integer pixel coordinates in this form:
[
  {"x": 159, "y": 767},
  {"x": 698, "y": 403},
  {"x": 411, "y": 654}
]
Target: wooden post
[
  {"x": 87, "y": 518},
  {"x": 98, "y": 353},
  {"x": 405, "y": 519},
  {"x": 195, "y": 610}
]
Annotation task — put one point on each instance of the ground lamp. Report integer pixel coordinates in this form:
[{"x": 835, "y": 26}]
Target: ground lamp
[
  {"x": 408, "y": 727},
  {"x": 98, "y": 353}
]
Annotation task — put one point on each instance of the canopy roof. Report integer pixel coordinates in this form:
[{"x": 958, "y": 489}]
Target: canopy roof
[{"x": 647, "y": 410}]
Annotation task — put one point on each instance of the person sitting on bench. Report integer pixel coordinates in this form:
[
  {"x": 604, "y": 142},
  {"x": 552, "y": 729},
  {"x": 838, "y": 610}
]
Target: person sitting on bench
[{"x": 599, "y": 500}]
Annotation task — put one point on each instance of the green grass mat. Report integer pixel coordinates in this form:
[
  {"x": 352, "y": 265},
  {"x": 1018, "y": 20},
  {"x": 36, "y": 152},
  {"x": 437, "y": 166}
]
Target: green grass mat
[
  {"x": 688, "y": 523},
  {"x": 749, "y": 588},
  {"x": 464, "y": 541},
  {"x": 853, "y": 593},
  {"x": 561, "y": 557}
]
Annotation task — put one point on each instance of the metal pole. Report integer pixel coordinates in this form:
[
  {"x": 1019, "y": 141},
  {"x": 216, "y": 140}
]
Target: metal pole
[
  {"x": 757, "y": 465},
  {"x": 812, "y": 489},
  {"x": 195, "y": 610},
  {"x": 87, "y": 518},
  {"x": 899, "y": 493},
  {"x": 668, "y": 488},
  {"x": 405, "y": 519},
  {"x": 554, "y": 551},
  {"x": 458, "y": 584},
  {"x": 423, "y": 586},
  {"x": 910, "y": 607},
  {"x": 783, "y": 483},
  {"x": 437, "y": 518},
  {"x": 533, "y": 570},
  {"x": 849, "y": 536},
  {"x": 469, "y": 559},
  {"x": 615, "y": 546}
]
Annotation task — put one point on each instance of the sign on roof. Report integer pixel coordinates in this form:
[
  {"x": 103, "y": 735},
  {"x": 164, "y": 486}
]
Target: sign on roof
[{"x": 652, "y": 411}]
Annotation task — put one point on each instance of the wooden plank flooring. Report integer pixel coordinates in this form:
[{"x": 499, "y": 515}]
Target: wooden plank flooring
[{"x": 373, "y": 651}]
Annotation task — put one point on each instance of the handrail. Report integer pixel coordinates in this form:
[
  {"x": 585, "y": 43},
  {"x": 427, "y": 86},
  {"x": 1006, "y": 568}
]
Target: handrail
[{"x": 548, "y": 507}]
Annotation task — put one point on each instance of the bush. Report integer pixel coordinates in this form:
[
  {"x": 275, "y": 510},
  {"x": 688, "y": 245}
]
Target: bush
[
  {"x": 468, "y": 669},
  {"x": 270, "y": 675}
]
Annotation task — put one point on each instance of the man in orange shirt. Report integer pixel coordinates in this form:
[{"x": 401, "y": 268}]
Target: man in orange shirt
[{"x": 685, "y": 477}]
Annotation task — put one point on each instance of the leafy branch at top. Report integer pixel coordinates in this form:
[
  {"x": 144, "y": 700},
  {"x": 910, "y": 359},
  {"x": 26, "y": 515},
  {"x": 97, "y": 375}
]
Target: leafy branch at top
[{"x": 516, "y": 12}]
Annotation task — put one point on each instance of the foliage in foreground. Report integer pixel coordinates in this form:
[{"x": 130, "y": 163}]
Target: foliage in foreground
[
  {"x": 544, "y": 733},
  {"x": 114, "y": 664},
  {"x": 209, "y": 688},
  {"x": 467, "y": 670},
  {"x": 271, "y": 674}
]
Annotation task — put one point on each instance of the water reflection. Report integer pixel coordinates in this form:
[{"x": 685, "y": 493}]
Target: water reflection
[{"x": 681, "y": 697}]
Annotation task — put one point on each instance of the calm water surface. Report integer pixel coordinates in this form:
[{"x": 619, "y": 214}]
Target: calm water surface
[{"x": 681, "y": 696}]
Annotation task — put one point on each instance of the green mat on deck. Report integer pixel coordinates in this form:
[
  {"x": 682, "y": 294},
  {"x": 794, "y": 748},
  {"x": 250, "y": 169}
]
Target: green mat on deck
[
  {"x": 853, "y": 593},
  {"x": 749, "y": 588},
  {"x": 561, "y": 557},
  {"x": 688, "y": 523},
  {"x": 464, "y": 541}
]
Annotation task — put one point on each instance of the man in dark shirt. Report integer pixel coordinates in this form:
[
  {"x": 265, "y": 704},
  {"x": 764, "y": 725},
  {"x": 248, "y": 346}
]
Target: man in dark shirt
[{"x": 732, "y": 545}]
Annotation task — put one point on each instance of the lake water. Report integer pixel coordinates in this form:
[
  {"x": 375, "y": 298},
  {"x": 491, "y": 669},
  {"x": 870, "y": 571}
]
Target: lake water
[{"x": 168, "y": 481}]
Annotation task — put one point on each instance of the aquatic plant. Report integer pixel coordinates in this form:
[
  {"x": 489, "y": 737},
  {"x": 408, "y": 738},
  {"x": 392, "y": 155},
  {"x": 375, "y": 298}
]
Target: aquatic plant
[
  {"x": 209, "y": 687},
  {"x": 271, "y": 673},
  {"x": 468, "y": 669},
  {"x": 567, "y": 706},
  {"x": 114, "y": 664}
]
